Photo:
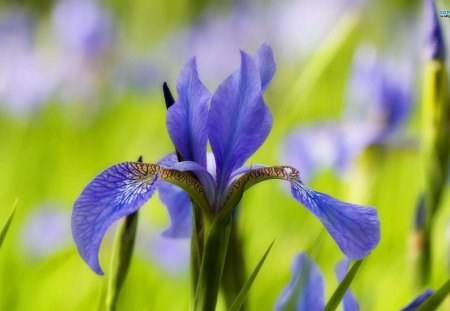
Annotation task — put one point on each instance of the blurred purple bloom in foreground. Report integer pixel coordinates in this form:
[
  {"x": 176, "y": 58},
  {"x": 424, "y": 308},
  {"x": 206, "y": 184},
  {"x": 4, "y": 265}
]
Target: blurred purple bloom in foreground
[
  {"x": 236, "y": 121},
  {"x": 306, "y": 290},
  {"x": 46, "y": 231},
  {"x": 349, "y": 301},
  {"x": 418, "y": 301},
  {"x": 378, "y": 103}
]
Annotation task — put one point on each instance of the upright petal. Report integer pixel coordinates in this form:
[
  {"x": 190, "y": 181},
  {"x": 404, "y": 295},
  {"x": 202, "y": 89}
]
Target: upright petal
[
  {"x": 349, "y": 301},
  {"x": 305, "y": 291},
  {"x": 115, "y": 193},
  {"x": 178, "y": 204},
  {"x": 355, "y": 228},
  {"x": 187, "y": 118},
  {"x": 239, "y": 120},
  {"x": 265, "y": 64}
]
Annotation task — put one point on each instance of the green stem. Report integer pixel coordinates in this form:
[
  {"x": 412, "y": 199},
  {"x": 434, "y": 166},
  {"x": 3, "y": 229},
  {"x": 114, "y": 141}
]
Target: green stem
[
  {"x": 234, "y": 271},
  {"x": 212, "y": 265},
  {"x": 436, "y": 153},
  {"x": 197, "y": 245},
  {"x": 121, "y": 258}
]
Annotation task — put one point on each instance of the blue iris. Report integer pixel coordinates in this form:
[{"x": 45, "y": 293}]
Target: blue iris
[{"x": 236, "y": 122}]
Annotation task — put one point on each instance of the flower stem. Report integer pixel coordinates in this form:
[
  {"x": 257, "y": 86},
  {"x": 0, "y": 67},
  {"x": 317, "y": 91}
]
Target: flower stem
[
  {"x": 234, "y": 271},
  {"x": 436, "y": 104},
  {"x": 212, "y": 264}
]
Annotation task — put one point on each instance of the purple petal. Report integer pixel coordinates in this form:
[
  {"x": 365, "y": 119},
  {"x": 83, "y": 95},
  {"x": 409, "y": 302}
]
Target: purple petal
[
  {"x": 265, "y": 64},
  {"x": 349, "y": 301},
  {"x": 434, "y": 44},
  {"x": 168, "y": 160},
  {"x": 206, "y": 179},
  {"x": 355, "y": 228},
  {"x": 187, "y": 118},
  {"x": 178, "y": 204},
  {"x": 239, "y": 120},
  {"x": 305, "y": 291},
  {"x": 418, "y": 301},
  {"x": 115, "y": 193}
]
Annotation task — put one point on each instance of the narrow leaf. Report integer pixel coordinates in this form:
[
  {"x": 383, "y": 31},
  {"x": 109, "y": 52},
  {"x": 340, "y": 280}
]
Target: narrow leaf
[
  {"x": 339, "y": 293},
  {"x": 5, "y": 227},
  {"x": 242, "y": 296},
  {"x": 121, "y": 258},
  {"x": 432, "y": 302}
]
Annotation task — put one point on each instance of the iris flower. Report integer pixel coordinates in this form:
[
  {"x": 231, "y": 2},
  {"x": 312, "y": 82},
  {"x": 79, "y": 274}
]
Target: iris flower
[
  {"x": 378, "y": 104},
  {"x": 236, "y": 121},
  {"x": 306, "y": 291}
]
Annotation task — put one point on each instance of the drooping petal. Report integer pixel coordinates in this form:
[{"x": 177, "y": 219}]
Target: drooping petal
[
  {"x": 355, "y": 228},
  {"x": 305, "y": 291},
  {"x": 115, "y": 193},
  {"x": 418, "y": 301},
  {"x": 349, "y": 301},
  {"x": 265, "y": 64},
  {"x": 187, "y": 119},
  {"x": 178, "y": 204},
  {"x": 239, "y": 120}
]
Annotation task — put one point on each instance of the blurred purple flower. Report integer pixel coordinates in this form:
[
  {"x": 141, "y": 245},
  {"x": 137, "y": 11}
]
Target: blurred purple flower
[
  {"x": 236, "y": 121},
  {"x": 349, "y": 301},
  {"x": 379, "y": 96},
  {"x": 378, "y": 103},
  {"x": 434, "y": 41},
  {"x": 306, "y": 290},
  {"x": 418, "y": 301},
  {"x": 323, "y": 148},
  {"x": 26, "y": 79},
  {"x": 170, "y": 254},
  {"x": 244, "y": 25},
  {"x": 82, "y": 27},
  {"x": 46, "y": 231}
]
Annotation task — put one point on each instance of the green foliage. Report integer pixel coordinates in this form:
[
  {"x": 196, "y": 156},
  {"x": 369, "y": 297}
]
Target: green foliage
[
  {"x": 242, "y": 296},
  {"x": 7, "y": 224},
  {"x": 435, "y": 300},
  {"x": 339, "y": 293}
]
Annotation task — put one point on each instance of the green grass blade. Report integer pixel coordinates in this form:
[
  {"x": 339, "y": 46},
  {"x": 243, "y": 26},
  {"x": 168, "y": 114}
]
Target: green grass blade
[
  {"x": 121, "y": 258},
  {"x": 340, "y": 291},
  {"x": 242, "y": 296},
  {"x": 432, "y": 302},
  {"x": 7, "y": 224}
]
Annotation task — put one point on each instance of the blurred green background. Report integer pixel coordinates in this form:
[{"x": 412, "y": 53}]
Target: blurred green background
[{"x": 80, "y": 89}]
